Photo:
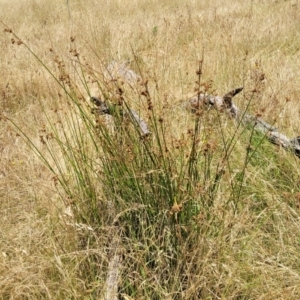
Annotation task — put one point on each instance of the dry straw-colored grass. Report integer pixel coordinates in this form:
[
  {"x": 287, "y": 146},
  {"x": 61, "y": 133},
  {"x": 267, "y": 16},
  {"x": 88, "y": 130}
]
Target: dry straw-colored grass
[{"x": 44, "y": 251}]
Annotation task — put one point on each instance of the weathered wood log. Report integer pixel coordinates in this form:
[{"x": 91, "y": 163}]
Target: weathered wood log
[
  {"x": 116, "y": 70},
  {"x": 225, "y": 102},
  {"x": 222, "y": 103},
  {"x": 103, "y": 108},
  {"x": 113, "y": 269}
]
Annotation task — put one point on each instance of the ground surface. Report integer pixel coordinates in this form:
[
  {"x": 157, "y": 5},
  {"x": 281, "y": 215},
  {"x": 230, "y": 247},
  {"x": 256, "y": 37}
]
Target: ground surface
[{"x": 255, "y": 44}]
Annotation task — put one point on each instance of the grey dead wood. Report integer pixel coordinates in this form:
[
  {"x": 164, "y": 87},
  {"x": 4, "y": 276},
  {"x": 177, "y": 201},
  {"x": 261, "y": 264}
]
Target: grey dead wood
[
  {"x": 104, "y": 108},
  {"x": 116, "y": 70},
  {"x": 113, "y": 270},
  {"x": 225, "y": 104}
]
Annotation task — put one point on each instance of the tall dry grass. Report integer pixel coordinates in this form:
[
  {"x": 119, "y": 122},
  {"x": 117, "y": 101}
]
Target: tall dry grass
[{"x": 246, "y": 245}]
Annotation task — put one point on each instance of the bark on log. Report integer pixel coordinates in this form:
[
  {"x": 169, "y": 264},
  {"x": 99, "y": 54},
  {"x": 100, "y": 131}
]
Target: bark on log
[
  {"x": 103, "y": 108},
  {"x": 222, "y": 103},
  {"x": 113, "y": 271},
  {"x": 225, "y": 102}
]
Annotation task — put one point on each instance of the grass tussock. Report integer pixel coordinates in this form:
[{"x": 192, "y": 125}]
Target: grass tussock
[{"x": 203, "y": 208}]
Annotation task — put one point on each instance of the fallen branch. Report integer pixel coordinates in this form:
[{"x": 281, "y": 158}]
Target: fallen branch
[
  {"x": 225, "y": 103},
  {"x": 113, "y": 270},
  {"x": 116, "y": 70},
  {"x": 103, "y": 108}
]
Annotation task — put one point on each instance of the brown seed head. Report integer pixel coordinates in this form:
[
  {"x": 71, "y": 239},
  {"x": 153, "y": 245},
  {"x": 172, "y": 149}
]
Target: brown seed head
[{"x": 176, "y": 208}]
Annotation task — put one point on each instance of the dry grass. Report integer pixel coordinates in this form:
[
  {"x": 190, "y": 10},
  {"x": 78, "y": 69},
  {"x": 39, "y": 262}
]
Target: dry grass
[{"x": 249, "y": 249}]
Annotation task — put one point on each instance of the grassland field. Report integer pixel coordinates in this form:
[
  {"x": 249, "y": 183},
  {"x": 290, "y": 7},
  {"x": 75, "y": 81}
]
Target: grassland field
[{"x": 223, "y": 223}]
